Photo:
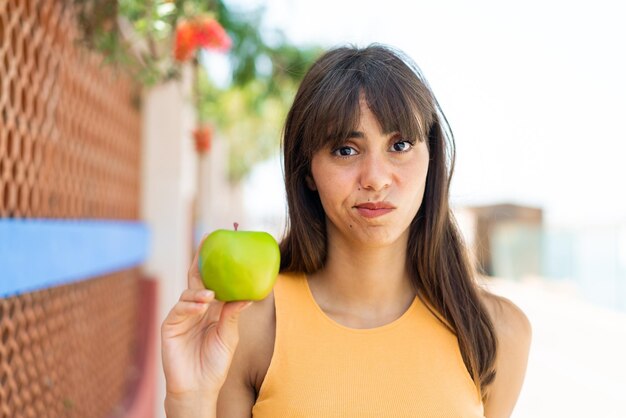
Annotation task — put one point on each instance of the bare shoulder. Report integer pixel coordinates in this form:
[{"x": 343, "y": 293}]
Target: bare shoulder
[
  {"x": 507, "y": 317},
  {"x": 250, "y": 361},
  {"x": 514, "y": 334}
]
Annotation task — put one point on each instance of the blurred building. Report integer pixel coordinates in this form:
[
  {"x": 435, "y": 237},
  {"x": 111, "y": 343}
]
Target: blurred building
[
  {"x": 511, "y": 241},
  {"x": 505, "y": 239}
]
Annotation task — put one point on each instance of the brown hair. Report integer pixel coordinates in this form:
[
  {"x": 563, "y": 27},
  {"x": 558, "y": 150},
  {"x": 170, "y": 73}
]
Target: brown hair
[{"x": 325, "y": 110}]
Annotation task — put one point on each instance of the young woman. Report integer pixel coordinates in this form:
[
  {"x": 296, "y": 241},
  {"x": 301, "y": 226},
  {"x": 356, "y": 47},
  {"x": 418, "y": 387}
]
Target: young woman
[{"x": 376, "y": 311}]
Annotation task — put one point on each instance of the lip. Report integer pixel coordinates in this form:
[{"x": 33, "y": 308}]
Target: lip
[
  {"x": 373, "y": 209},
  {"x": 375, "y": 205}
]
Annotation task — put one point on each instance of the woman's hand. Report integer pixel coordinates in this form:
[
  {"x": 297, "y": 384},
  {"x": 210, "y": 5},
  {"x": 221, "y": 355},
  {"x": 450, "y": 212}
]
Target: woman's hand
[{"x": 198, "y": 340}]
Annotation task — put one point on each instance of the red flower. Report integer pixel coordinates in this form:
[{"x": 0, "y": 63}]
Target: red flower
[
  {"x": 201, "y": 32},
  {"x": 184, "y": 47},
  {"x": 203, "y": 136},
  {"x": 210, "y": 34}
]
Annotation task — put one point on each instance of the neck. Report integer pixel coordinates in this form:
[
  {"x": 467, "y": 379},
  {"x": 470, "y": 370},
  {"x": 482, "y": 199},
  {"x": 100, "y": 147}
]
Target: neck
[{"x": 361, "y": 278}]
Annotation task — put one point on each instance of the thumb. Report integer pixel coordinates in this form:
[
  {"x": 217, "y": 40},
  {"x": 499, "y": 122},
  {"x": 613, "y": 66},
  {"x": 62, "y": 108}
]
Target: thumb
[{"x": 228, "y": 325}]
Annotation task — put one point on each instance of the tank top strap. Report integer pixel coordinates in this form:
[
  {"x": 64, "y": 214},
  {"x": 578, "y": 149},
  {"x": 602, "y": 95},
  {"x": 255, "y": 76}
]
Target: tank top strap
[
  {"x": 293, "y": 308},
  {"x": 289, "y": 291}
]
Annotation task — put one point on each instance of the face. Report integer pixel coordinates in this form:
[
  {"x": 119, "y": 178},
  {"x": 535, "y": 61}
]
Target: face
[{"x": 372, "y": 186}]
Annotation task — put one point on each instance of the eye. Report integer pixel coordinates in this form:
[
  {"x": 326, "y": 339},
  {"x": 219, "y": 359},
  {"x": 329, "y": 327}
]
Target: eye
[
  {"x": 344, "y": 152},
  {"x": 402, "y": 146}
]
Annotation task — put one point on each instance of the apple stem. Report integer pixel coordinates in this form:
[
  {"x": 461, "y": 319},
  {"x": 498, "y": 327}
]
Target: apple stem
[{"x": 236, "y": 225}]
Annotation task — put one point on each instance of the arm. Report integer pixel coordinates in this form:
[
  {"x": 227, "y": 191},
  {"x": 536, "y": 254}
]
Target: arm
[
  {"x": 198, "y": 339},
  {"x": 257, "y": 326},
  {"x": 237, "y": 395},
  {"x": 514, "y": 334}
]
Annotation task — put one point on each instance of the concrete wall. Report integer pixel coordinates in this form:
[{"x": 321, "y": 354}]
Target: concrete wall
[
  {"x": 168, "y": 189},
  {"x": 184, "y": 196}
]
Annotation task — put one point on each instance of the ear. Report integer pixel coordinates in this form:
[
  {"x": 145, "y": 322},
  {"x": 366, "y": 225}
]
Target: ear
[{"x": 310, "y": 183}]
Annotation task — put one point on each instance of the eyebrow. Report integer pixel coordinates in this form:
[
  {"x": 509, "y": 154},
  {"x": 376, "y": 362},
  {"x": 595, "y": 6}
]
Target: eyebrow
[
  {"x": 356, "y": 134},
  {"x": 361, "y": 135}
]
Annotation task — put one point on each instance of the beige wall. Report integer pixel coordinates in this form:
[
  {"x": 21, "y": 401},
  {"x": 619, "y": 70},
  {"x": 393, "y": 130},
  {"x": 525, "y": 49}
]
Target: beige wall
[
  {"x": 173, "y": 198},
  {"x": 168, "y": 187}
]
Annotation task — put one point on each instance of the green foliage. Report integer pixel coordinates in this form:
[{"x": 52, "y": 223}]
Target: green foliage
[
  {"x": 249, "y": 112},
  {"x": 251, "y": 125}
]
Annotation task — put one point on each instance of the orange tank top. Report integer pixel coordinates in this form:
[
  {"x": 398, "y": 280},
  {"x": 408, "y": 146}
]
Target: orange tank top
[{"x": 411, "y": 367}]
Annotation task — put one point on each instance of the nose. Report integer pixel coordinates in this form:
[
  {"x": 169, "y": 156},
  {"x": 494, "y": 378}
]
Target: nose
[{"x": 375, "y": 172}]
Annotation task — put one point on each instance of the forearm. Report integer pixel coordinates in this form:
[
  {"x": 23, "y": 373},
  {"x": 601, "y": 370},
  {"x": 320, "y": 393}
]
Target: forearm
[{"x": 190, "y": 407}]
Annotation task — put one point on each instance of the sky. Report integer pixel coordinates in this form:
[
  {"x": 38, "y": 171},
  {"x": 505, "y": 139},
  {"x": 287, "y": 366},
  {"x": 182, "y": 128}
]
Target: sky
[{"x": 534, "y": 92}]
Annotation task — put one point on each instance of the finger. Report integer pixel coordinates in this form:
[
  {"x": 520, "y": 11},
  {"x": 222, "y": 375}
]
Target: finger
[
  {"x": 183, "y": 311},
  {"x": 194, "y": 279},
  {"x": 197, "y": 295},
  {"x": 212, "y": 314},
  {"x": 227, "y": 327}
]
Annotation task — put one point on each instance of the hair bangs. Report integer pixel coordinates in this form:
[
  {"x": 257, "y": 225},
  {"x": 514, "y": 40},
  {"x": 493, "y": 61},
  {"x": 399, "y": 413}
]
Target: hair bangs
[
  {"x": 336, "y": 116},
  {"x": 397, "y": 106}
]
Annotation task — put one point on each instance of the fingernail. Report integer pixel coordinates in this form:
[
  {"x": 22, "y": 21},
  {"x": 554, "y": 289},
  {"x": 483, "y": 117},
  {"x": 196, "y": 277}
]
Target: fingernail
[{"x": 207, "y": 293}]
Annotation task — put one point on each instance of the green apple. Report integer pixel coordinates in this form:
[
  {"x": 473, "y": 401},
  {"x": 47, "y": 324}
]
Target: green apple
[{"x": 239, "y": 265}]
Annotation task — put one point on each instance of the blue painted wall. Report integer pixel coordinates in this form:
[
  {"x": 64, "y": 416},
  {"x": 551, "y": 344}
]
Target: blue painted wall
[{"x": 41, "y": 253}]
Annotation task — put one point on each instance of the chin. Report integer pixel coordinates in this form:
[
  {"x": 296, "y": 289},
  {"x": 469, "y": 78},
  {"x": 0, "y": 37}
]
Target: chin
[{"x": 379, "y": 237}]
